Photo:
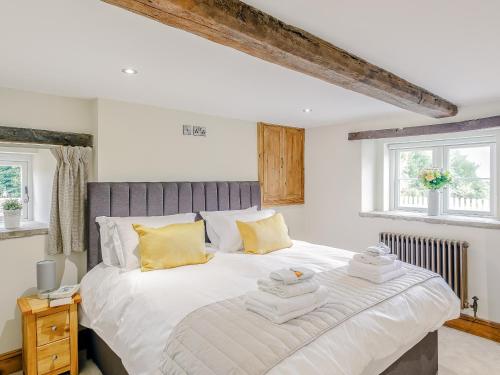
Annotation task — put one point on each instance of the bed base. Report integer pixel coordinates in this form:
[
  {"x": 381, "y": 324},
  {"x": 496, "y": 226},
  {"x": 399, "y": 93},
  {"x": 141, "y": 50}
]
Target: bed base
[{"x": 422, "y": 359}]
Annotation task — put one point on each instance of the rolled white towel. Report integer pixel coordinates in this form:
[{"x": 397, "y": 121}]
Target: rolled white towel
[
  {"x": 287, "y": 290},
  {"x": 377, "y": 279},
  {"x": 292, "y": 275},
  {"x": 375, "y": 260},
  {"x": 374, "y": 270},
  {"x": 280, "y": 319},
  {"x": 379, "y": 249},
  {"x": 275, "y": 305}
]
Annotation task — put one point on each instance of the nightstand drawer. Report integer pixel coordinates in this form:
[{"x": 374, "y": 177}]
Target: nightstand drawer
[
  {"x": 50, "y": 328},
  {"x": 53, "y": 356}
]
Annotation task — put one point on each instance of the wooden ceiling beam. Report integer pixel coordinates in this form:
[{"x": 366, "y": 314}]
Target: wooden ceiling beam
[
  {"x": 44, "y": 137},
  {"x": 247, "y": 29}
]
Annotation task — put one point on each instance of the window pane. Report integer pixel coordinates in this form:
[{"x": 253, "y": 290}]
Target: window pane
[
  {"x": 411, "y": 194},
  {"x": 470, "y": 186},
  {"x": 470, "y": 162},
  {"x": 469, "y": 195},
  {"x": 10, "y": 184},
  {"x": 412, "y": 162}
]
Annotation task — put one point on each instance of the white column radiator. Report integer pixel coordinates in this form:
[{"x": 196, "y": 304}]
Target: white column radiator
[{"x": 447, "y": 258}]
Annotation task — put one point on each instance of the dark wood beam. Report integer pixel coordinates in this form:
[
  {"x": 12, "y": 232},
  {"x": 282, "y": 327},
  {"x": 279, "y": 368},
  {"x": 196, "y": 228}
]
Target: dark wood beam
[
  {"x": 247, "y": 29},
  {"x": 453, "y": 127},
  {"x": 44, "y": 137}
]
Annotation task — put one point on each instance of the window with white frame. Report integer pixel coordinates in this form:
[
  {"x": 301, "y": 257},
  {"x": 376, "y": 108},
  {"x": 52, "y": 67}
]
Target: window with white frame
[
  {"x": 471, "y": 163},
  {"x": 16, "y": 181}
]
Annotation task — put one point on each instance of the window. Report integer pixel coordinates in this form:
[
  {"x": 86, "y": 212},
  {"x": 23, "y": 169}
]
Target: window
[
  {"x": 16, "y": 181},
  {"x": 471, "y": 188},
  {"x": 410, "y": 194},
  {"x": 471, "y": 163}
]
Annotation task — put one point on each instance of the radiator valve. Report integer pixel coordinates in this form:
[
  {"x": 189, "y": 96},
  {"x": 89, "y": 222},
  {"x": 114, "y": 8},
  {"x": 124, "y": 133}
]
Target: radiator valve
[{"x": 475, "y": 306}]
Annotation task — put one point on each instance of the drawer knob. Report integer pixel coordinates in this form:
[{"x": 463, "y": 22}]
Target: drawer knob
[
  {"x": 53, "y": 328},
  {"x": 54, "y": 357}
]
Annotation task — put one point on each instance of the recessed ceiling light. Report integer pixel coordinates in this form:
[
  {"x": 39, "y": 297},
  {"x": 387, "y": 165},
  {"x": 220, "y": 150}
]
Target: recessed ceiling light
[
  {"x": 307, "y": 110},
  {"x": 129, "y": 71}
]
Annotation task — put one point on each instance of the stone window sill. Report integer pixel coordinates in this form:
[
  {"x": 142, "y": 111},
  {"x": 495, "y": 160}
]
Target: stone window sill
[
  {"x": 27, "y": 229},
  {"x": 464, "y": 221}
]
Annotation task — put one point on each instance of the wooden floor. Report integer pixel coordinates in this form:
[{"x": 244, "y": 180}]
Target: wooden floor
[{"x": 478, "y": 327}]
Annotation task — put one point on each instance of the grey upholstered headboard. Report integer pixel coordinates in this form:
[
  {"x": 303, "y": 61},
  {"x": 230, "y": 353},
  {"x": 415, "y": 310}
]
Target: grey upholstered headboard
[{"x": 161, "y": 198}]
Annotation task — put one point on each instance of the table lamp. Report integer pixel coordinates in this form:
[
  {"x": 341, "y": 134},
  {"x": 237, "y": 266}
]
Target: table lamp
[{"x": 45, "y": 277}]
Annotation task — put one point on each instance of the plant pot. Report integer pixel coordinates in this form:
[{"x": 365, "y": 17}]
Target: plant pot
[
  {"x": 12, "y": 219},
  {"x": 434, "y": 203}
]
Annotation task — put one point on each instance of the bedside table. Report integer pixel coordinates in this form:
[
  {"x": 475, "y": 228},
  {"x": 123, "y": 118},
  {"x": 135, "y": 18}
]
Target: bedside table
[{"x": 50, "y": 336}]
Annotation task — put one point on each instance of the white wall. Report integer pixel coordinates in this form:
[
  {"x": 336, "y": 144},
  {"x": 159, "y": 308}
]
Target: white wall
[
  {"x": 144, "y": 143},
  {"x": 334, "y": 199},
  {"x": 33, "y": 110}
]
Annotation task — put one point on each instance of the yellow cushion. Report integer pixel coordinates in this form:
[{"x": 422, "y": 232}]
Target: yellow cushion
[
  {"x": 172, "y": 245},
  {"x": 264, "y": 236}
]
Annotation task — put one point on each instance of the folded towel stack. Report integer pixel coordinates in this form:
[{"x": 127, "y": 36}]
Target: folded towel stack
[
  {"x": 376, "y": 264},
  {"x": 292, "y": 275},
  {"x": 287, "y": 294},
  {"x": 287, "y": 290}
]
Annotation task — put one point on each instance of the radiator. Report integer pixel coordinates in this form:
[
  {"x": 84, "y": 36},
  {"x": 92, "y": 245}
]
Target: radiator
[{"x": 447, "y": 258}]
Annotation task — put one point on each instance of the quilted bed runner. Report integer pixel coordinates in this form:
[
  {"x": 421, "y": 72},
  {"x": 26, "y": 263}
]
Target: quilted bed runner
[{"x": 224, "y": 337}]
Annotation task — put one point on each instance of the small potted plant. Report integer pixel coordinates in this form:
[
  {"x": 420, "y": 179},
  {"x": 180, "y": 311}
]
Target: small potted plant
[
  {"x": 12, "y": 213},
  {"x": 434, "y": 180}
]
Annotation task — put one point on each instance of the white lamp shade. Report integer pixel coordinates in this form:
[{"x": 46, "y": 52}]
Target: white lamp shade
[{"x": 46, "y": 275}]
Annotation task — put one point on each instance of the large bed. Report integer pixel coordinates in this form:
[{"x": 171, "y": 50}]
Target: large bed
[{"x": 132, "y": 314}]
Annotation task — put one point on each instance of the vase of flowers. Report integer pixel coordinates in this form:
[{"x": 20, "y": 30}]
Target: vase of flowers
[
  {"x": 12, "y": 213},
  {"x": 434, "y": 180}
]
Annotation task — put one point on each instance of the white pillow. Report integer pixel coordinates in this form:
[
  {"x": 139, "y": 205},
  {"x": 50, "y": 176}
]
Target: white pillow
[
  {"x": 126, "y": 240},
  {"x": 208, "y": 215},
  {"x": 108, "y": 251},
  {"x": 227, "y": 230}
]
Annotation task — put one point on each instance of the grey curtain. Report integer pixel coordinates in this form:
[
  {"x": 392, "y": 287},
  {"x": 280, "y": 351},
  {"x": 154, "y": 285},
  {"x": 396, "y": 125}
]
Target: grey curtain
[{"x": 67, "y": 214}]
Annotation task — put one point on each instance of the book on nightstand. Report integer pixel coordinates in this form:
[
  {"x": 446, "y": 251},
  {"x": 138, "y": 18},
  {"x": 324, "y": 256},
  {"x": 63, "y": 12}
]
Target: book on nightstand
[
  {"x": 63, "y": 295},
  {"x": 60, "y": 301}
]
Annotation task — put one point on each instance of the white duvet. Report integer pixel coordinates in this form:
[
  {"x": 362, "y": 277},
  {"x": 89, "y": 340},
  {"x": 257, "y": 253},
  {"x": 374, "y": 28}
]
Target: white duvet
[{"x": 134, "y": 312}]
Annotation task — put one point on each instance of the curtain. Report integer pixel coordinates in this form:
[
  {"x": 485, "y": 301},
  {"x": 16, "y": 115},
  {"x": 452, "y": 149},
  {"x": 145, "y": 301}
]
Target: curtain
[{"x": 69, "y": 191}]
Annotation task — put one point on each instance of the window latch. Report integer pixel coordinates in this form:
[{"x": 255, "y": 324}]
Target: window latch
[{"x": 26, "y": 195}]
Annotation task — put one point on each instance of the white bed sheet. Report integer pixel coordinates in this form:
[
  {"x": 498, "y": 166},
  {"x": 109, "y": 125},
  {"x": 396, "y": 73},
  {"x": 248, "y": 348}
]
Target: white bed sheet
[{"x": 134, "y": 312}]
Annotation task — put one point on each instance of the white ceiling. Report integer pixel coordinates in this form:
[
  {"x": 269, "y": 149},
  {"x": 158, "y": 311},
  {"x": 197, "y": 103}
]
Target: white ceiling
[{"x": 78, "y": 47}]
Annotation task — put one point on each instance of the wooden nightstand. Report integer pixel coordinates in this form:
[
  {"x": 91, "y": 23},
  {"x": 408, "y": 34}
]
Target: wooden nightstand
[{"x": 50, "y": 336}]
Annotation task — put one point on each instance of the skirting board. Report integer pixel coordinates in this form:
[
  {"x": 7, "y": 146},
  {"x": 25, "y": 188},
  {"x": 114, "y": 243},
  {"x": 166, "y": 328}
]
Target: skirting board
[
  {"x": 477, "y": 327},
  {"x": 11, "y": 362}
]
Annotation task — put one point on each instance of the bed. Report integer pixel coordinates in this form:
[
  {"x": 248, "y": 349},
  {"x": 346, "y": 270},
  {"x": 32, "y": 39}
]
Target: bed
[{"x": 132, "y": 314}]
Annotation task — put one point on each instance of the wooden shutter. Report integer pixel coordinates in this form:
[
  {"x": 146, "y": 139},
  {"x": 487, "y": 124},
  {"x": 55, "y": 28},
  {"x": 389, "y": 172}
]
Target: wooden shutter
[
  {"x": 293, "y": 189},
  {"x": 281, "y": 164}
]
